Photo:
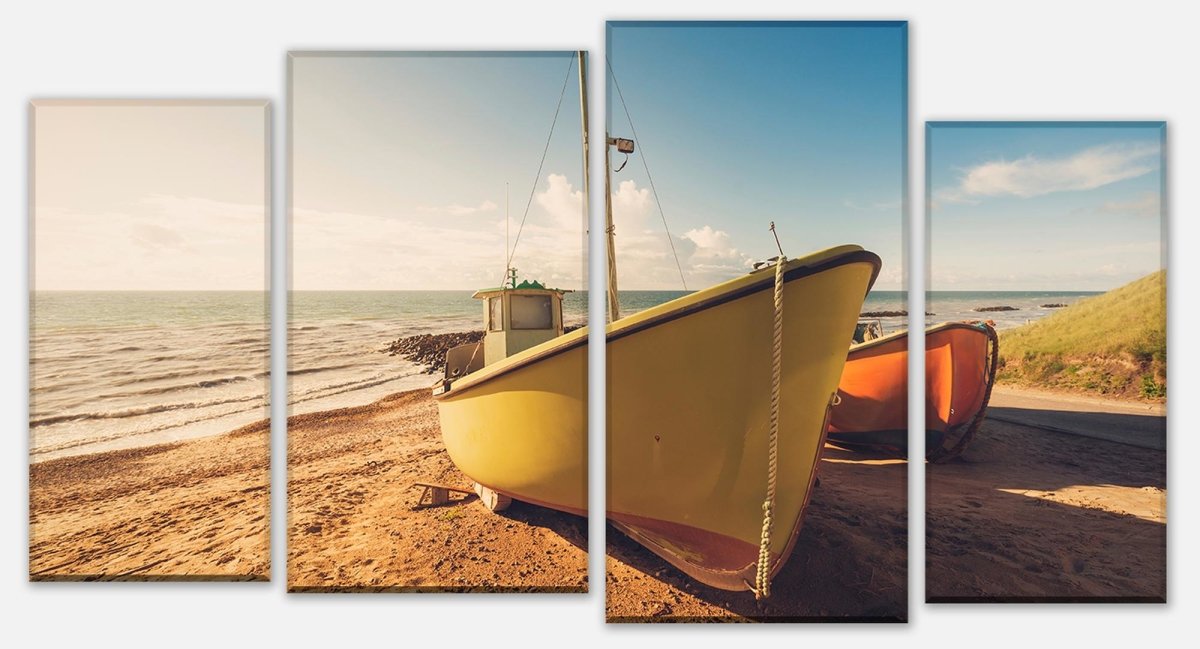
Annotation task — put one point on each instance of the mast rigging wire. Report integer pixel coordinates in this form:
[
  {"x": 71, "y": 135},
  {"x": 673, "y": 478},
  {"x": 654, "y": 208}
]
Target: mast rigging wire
[
  {"x": 533, "y": 190},
  {"x": 670, "y": 239}
]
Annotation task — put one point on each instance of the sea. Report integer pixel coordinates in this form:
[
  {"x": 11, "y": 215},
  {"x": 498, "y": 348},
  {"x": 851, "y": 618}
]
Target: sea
[
  {"x": 1029, "y": 305},
  {"x": 336, "y": 341},
  {"x": 112, "y": 370},
  {"x": 942, "y": 306}
]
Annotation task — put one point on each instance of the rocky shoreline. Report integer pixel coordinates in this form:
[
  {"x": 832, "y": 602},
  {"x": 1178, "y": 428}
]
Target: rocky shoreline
[
  {"x": 430, "y": 350},
  {"x": 887, "y": 314}
]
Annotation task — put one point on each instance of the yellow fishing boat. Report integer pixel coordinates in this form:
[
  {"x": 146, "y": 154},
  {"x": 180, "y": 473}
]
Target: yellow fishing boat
[
  {"x": 689, "y": 387},
  {"x": 699, "y": 444},
  {"x": 517, "y": 425},
  {"x": 513, "y": 407}
]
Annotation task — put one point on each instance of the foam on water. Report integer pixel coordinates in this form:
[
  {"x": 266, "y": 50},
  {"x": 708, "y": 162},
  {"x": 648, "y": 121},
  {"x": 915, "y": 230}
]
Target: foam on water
[{"x": 112, "y": 370}]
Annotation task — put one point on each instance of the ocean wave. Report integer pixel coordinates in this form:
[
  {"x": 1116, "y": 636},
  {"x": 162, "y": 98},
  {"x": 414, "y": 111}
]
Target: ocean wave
[
  {"x": 323, "y": 368},
  {"x": 87, "y": 441},
  {"x": 342, "y": 388},
  {"x": 180, "y": 387},
  {"x": 138, "y": 412},
  {"x": 195, "y": 372}
]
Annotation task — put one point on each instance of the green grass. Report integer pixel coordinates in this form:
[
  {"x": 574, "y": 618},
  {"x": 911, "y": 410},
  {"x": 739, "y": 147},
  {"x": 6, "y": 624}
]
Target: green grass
[{"x": 1113, "y": 344}]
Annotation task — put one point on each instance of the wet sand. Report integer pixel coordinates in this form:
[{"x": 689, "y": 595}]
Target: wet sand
[
  {"x": 850, "y": 562},
  {"x": 194, "y": 510},
  {"x": 1028, "y": 514},
  {"x": 352, "y": 526}
]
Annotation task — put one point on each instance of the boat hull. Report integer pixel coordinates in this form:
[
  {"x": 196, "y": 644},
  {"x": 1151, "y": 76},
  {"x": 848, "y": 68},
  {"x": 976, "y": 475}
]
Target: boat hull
[
  {"x": 519, "y": 427},
  {"x": 688, "y": 389},
  {"x": 959, "y": 371}
]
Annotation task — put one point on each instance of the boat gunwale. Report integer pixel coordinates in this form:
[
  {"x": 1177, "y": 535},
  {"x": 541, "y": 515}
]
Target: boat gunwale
[
  {"x": 848, "y": 438},
  {"x": 722, "y": 293},
  {"x": 554, "y": 347},
  {"x": 896, "y": 335},
  {"x": 729, "y": 291}
]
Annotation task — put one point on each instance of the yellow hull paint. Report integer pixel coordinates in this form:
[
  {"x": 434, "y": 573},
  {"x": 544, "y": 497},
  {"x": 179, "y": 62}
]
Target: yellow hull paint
[
  {"x": 519, "y": 426},
  {"x": 688, "y": 389},
  {"x": 688, "y": 409}
]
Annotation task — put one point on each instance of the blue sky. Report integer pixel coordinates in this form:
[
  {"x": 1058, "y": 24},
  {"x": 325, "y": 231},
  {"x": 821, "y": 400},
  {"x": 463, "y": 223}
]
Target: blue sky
[
  {"x": 1044, "y": 206},
  {"x": 742, "y": 124},
  {"x": 400, "y": 163}
]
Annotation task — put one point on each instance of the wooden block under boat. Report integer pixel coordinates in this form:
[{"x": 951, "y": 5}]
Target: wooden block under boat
[{"x": 436, "y": 495}]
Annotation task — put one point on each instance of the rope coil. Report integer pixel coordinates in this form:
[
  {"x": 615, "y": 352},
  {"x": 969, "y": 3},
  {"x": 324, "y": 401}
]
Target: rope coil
[{"x": 762, "y": 578}]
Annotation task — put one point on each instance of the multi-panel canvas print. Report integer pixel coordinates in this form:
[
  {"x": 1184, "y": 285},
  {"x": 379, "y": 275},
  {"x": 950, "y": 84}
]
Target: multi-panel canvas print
[
  {"x": 755, "y": 194},
  {"x": 149, "y": 432},
  {"x": 437, "y": 437},
  {"x": 1048, "y": 388},
  {"x": 756, "y": 338}
]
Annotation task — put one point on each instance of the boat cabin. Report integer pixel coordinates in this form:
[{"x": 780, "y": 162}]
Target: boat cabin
[
  {"x": 515, "y": 318},
  {"x": 868, "y": 330},
  {"x": 519, "y": 317}
]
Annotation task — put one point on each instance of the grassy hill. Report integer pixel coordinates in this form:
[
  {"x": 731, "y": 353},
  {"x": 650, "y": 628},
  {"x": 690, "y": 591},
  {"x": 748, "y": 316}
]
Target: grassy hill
[{"x": 1113, "y": 344}]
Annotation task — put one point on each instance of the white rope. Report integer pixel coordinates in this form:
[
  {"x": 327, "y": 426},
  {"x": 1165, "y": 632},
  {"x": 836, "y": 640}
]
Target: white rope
[{"x": 762, "y": 579}]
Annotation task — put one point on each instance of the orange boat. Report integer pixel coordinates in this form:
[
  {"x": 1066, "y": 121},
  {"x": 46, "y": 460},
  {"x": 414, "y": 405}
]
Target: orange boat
[{"x": 960, "y": 367}]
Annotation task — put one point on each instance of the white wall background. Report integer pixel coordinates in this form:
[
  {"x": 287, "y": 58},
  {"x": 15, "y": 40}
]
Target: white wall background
[{"x": 997, "y": 60}]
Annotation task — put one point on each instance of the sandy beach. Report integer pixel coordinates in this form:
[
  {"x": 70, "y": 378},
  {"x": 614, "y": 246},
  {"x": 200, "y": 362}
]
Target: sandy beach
[
  {"x": 1024, "y": 513},
  {"x": 352, "y": 525},
  {"x": 194, "y": 510},
  {"x": 1029, "y": 514}
]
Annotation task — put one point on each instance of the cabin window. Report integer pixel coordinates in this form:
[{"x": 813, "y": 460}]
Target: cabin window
[
  {"x": 531, "y": 312},
  {"x": 495, "y": 314}
]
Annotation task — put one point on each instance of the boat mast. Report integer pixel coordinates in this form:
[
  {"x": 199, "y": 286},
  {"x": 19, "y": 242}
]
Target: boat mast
[
  {"x": 614, "y": 303},
  {"x": 506, "y": 222},
  {"x": 612, "y": 267}
]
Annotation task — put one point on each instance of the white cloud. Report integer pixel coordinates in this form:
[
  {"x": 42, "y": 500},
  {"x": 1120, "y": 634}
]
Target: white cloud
[
  {"x": 1144, "y": 206},
  {"x": 1032, "y": 176},
  {"x": 561, "y": 201},
  {"x": 151, "y": 236},
  {"x": 644, "y": 256},
  {"x": 159, "y": 243},
  {"x": 711, "y": 243},
  {"x": 715, "y": 255},
  {"x": 351, "y": 251}
]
